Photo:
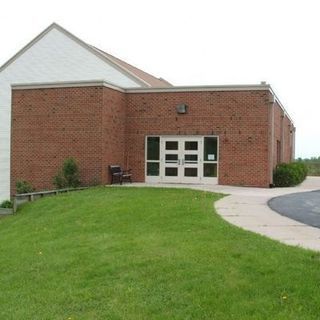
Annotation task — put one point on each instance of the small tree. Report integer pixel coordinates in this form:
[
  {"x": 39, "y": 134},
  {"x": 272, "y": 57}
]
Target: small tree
[{"x": 68, "y": 176}]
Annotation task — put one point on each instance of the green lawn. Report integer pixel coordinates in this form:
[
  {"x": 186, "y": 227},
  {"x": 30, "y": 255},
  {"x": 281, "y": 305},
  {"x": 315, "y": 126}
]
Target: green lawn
[{"x": 147, "y": 253}]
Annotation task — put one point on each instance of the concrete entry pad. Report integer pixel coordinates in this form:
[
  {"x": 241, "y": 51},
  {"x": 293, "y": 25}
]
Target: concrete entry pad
[{"x": 303, "y": 207}]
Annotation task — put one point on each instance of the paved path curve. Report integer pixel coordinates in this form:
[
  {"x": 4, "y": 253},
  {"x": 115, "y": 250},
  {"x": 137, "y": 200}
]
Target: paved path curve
[
  {"x": 248, "y": 208},
  {"x": 303, "y": 207}
]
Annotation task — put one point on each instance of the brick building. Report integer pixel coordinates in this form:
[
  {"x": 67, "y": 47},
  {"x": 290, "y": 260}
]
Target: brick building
[
  {"x": 52, "y": 107},
  {"x": 232, "y": 135}
]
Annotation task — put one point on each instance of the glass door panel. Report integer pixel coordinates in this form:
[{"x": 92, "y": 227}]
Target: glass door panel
[
  {"x": 172, "y": 145},
  {"x": 210, "y": 159},
  {"x": 191, "y": 172},
  {"x": 170, "y": 160},
  {"x": 190, "y": 159},
  {"x": 191, "y": 145},
  {"x": 210, "y": 170},
  {"x": 210, "y": 149},
  {"x": 152, "y": 159},
  {"x": 171, "y": 172},
  {"x": 153, "y": 169}
]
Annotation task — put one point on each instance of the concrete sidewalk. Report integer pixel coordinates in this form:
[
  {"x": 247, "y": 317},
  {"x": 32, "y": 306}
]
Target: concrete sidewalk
[{"x": 247, "y": 208}]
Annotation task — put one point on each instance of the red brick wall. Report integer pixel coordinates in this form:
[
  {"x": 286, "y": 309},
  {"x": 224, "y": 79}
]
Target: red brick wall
[
  {"x": 85, "y": 123},
  {"x": 240, "y": 119},
  {"x": 101, "y": 126},
  {"x": 277, "y": 113},
  {"x": 283, "y": 133},
  {"x": 288, "y": 143},
  {"x": 49, "y": 125},
  {"x": 113, "y": 138}
]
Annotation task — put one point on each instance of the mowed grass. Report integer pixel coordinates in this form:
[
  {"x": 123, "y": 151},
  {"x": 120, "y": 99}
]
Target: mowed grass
[{"x": 147, "y": 253}]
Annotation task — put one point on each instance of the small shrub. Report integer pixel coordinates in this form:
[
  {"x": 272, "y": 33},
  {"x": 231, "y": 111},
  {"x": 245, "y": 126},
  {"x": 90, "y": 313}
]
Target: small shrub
[
  {"x": 68, "y": 176},
  {"x": 6, "y": 204},
  {"x": 302, "y": 169},
  {"x": 289, "y": 174},
  {"x": 23, "y": 186},
  {"x": 59, "y": 181}
]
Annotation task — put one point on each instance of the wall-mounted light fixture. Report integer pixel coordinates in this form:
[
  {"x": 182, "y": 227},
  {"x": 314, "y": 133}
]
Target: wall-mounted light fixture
[{"x": 181, "y": 108}]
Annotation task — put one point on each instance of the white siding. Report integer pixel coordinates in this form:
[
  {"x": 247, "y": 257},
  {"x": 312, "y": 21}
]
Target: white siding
[{"x": 55, "y": 57}]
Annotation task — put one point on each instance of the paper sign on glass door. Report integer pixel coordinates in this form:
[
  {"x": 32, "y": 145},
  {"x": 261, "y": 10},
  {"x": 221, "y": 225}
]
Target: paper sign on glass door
[{"x": 211, "y": 157}]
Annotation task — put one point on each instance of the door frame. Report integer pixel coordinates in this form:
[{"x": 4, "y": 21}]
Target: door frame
[
  {"x": 181, "y": 164},
  {"x": 202, "y": 179}
]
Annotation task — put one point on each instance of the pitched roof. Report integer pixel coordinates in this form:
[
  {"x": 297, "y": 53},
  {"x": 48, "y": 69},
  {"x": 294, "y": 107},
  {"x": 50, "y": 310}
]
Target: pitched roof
[
  {"x": 151, "y": 80},
  {"x": 141, "y": 77}
]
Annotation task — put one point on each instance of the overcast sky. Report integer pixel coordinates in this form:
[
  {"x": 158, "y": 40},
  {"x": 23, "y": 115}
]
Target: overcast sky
[{"x": 195, "y": 42}]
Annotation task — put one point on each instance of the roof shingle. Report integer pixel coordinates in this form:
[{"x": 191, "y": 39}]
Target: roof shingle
[{"x": 150, "y": 80}]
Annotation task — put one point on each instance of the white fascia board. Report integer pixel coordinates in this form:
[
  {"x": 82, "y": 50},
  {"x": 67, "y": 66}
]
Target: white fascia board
[
  {"x": 201, "y": 88},
  {"x": 95, "y": 83},
  {"x": 65, "y": 84},
  {"x": 100, "y": 82}
]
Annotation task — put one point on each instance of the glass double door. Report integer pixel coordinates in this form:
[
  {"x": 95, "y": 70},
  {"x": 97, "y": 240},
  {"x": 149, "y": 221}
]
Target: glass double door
[{"x": 181, "y": 159}]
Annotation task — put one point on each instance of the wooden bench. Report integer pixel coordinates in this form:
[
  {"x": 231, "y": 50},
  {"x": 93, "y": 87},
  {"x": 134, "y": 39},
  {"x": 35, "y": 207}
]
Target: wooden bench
[{"x": 119, "y": 175}]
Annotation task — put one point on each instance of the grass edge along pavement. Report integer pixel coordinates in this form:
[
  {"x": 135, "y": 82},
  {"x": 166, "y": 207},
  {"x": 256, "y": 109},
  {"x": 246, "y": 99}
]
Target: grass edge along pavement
[{"x": 147, "y": 253}]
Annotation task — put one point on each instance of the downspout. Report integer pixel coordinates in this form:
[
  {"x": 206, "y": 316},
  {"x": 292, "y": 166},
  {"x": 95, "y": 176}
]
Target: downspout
[{"x": 271, "y": 103}]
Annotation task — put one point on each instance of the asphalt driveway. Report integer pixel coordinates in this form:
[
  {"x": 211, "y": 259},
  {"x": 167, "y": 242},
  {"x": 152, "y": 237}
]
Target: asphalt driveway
[{"x": 303, "y": 207}]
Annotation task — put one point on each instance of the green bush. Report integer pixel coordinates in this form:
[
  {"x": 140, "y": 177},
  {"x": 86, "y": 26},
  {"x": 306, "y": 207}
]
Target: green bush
[
  {"x": 59, "y": 181},
  {"x": 302, "y": 168},
  {"x": 68, "y": 176},
  {"x": 289, "y": 174},
  {"x": 23, "y": 186},
  {"x": 6, "y": 204}
]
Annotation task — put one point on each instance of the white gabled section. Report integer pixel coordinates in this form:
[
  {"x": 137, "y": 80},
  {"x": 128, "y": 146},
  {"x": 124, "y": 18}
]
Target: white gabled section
[
  {"x": 102, "y": 56},
  {"x": 54, "y": 56}
]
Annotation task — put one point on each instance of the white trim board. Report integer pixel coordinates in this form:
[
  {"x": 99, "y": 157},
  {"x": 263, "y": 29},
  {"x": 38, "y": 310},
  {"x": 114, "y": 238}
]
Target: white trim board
[
  {"x": 205, "y": 88},
  {"x": 62, "y": 84},
  {"x": 65, "y": 84}
]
